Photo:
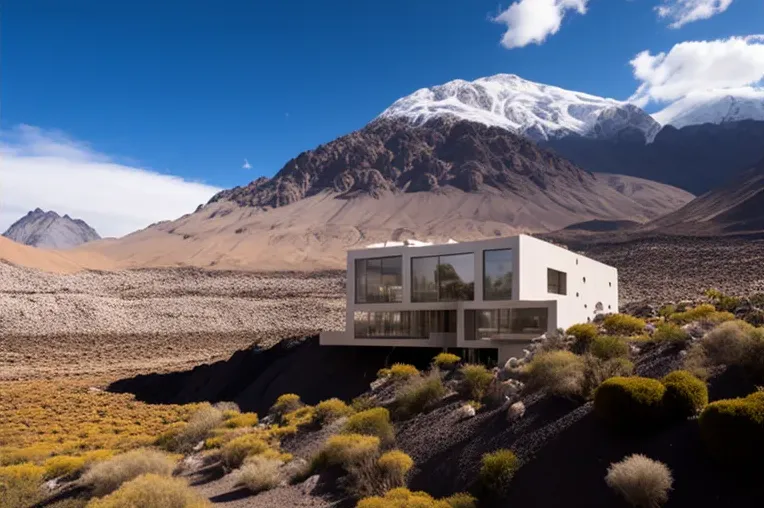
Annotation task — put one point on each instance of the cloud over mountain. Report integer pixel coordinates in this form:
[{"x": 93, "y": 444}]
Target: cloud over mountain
[
  {"x": 532, "y": 21},
  {"x": 681, "y": 12}
]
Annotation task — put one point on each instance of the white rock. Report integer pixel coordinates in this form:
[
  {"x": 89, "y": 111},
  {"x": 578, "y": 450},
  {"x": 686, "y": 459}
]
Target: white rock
[
  {"x": 467, "y": 411},
  {"x": 516, "y": 411}
]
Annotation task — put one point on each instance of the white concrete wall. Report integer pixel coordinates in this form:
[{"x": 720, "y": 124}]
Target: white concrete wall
[{"x": 588, "y": 281}]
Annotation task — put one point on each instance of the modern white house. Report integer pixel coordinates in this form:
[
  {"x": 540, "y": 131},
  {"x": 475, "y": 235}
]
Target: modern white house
[{"x": 499, "y": 293}]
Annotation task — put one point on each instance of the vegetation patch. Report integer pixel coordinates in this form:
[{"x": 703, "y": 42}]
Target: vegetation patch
[
  {"x": 685, "y": 395},
  {"x": 733, "y": 429},
  {"x": 286, "y": 404},
  {"x": 372, "y": 422},
  {"x": 63, "y": 466},
  {"x": 375, "y": 477},
  {"x": 446, "y": 361},
  {"x": 402, "y": 371},
  {"x": 235, "y": 451},
  {"x": 331, "y": 410},
  {"x": 497, "y": 470},
  {"x": 404, "y": 498},
  {"x": 152, "y": 491},
  {"x": 242, "y": 420},
  {"x": 419, "y": 394},
  {"x": 107, "y": 476},
  {"x": 258, "y": 473},
  {"x": 670, "y": 332},
  {"x": 623, "y": 324},
  {"x": 641, "y": 481},
  {"x": 560, "y": 373},
  {"x": 596, "y": 371},
  {"x": 584, "y": 333},
  {"x": 607, "y": 347},
  {"x": 348, "y": 449},
  {"x": 632, "y": 403},
  {"x": 475, "y": 381},
  {"x": 20, "y": 484},
  {"x": 705, "y": 312}
]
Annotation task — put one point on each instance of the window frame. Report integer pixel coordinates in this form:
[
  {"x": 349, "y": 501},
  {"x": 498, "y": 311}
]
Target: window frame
[
  {"x": 486, "y": 297},
  {"x": 365, "y": 285},
  {"x": 561, "y": 282},
  {"x": 438, "y": 285}
]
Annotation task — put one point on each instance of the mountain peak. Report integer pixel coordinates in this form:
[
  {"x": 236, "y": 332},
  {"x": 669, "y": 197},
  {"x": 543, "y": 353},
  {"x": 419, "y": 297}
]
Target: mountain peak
[
  {"x": 39, "y": 228},
  {"x": 714, "y": 106},
  {"x": 535, "y": 110}
]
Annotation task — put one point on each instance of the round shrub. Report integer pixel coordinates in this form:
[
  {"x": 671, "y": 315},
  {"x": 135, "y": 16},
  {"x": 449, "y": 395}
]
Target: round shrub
[
  {"x": 152, "y": 491},
  {"x": 497, "y": 469},
  {"x": 733, "y": 429},
  {"x": 727, "y": 343},
  {"x": 286, "y": 404},
  {"x": 372, "y": 422},
  {"x": 560, "y": 373},
  {"x": 641, "y": 481},
  {"x": 330, "y": 410},
  {"x": 401, "y": 371},
  {"x": 669, "y": 332},
  {"x": 584, "y": 334},
  {"x": 238, "y": 449},
  {"x": 395, "y": 464},
  {"x": 446, "y": 361},
  {"x": 685, "y": 394},
  {"x": 476, "y": 379},
  {"x": 241, "y": 420},
  {"x": 623, "y": 324},
  {"x": 258, "y": 473},
  {"x": 607, "y": 347},
  {"x": 461, "y": 500},
  {"x": 348, "y": 449},
  {"x": 107, "y": 476},
  {"x": 418, "y": 394},
  {"x": 403, "y": 498},
  {"x": 630, "y": 402}
]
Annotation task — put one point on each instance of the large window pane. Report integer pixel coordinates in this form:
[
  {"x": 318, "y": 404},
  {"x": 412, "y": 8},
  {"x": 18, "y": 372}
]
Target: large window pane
[
  {"x": 379, "y": 280},
  {"x": 556, "y": 282},
  {"x": 424, "y": 286},
  {"x": 497, "y": 274},
  {"x": 529, "y": 321},
  {"x": 456, "y": 277}
]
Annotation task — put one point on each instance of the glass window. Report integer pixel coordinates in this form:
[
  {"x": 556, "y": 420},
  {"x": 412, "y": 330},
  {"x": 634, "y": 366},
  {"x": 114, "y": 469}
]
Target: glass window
[
  {"x": 504, "y": 323},
  {"x": 379, "y": 280},
  {"x": 529, "y": 321},
  {"x": 361, "y": 320},
  {"x": 424, "y": 286},
  {"x": 405, "y": 324},
  {"x": 497, "y": 274},
  {"x": 443, "y": 278},
  {"x": 556, "y": 282}
]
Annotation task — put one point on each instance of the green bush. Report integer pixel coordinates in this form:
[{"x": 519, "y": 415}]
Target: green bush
[
  {"x": 419, "y": 394},
  {"x": 584, "y": 333},
  {"x": 446, "y": 361},
  {"x": 685, "y": 394},
  {"x": 733, "y": 429},
  {"x": 497, "y": 470},
  {"x": 607, "y": 347},
  {"x": 476, "y": 379},
  {"x": 623, "y": 324},
  {"x": 402, "y": 371},
  {"x": 630, "y": 402},
  {"x": 372, "y": 422},
  {"x": 669, "y": 332},
  {"x": 330, "y": 410},
  {"x": 560, "y": 373}
]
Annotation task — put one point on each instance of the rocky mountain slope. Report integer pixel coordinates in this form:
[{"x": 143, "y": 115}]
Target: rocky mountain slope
[
  {"x": 391, "y": 180},
  {"x": 534, "y": 110},
  {"x": 714, "y": 107},
  {"x": 697, "y": 157},
  {"x": 734, "y": 208},
  {"x": 51, "y": 231}
]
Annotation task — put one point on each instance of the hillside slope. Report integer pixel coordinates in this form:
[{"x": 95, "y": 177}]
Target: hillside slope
[
  {"x": 51, "y": 231},
  {"x": 51, "y": 260}
]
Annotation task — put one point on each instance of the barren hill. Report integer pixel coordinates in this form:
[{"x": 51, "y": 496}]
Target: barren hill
[
  {"x": 50, "y": 230},
  {"x": 391, "y": 180},
  {"x": 51, "y": 260}
]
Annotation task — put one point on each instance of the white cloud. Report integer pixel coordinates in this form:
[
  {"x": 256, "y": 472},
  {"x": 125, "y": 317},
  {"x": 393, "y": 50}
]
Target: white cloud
[
  {"x": 698, "y": 66},
  {"x": 46, "y": 169},
  {"x": 532, "y": 21},
  {"x": 246, "y": 165},
  {"x": 681, "y": 12}
]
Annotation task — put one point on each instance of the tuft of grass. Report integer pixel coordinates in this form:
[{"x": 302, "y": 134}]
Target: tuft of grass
[
  {"x": 446, "y": 361},
  {"x": 372, "y": 422},
  {"x": 670, "y": 332},
  {"x": 597, "y": 371},
  {"x": 497, "y": 470},
  {"x": 363, "y": 402},
  {"x": 375, "y": 477},
  {"x": 560, "y": 373},
  {"x": 461, "y": 500},
  {"x": 331, "y": 410},
  {"x": 403, "y": 371},
  {"x": 623, "y": 324},
  {"x": 235, "y": 451},
  {"x": 258, "y": 473},
  {"x": 475, "y": 381},
  {"x": 418, "y": 394},
  {"x": 286, "y": 404},
  {"x": 348, "y": 449},
  {"x": 641, "y": 481},
  {"x": 607, "y": 347},
  {"x": 107, "y": 476},
  {"x": 152, "y": 491},
  {"x": 183, "y": 438}
]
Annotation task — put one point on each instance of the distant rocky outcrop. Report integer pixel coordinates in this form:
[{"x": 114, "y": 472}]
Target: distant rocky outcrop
[{"x": 51, "y": 231}]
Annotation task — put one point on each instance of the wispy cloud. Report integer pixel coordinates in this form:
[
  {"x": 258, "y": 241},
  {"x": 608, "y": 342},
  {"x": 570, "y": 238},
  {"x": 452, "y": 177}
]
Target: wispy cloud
[
  {"x": 532, "y": 21},
  {"x": 697, "y": 66},
  {"x": 246, "y": 165},
  {"x": 681, "y": 12},
  {"x": 49, "y": 170}
]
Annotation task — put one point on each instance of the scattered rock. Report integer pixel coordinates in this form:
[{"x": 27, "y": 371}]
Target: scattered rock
[{"x": 515, "y": 411}]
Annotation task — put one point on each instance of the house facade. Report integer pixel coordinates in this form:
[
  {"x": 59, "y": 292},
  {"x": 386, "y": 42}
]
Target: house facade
[{"x": 491, "y": 294}]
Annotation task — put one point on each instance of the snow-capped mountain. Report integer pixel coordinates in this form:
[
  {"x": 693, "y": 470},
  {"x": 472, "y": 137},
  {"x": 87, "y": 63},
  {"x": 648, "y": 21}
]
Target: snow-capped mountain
[
  {"x": 537, "y": 111},
  {"x": 717, "y": 107}
]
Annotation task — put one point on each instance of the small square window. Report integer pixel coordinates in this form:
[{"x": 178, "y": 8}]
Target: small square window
[{"x": 557, "y": 282}]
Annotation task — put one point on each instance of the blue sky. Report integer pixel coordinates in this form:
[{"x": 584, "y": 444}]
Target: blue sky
[{"x": 193, "y": 88}]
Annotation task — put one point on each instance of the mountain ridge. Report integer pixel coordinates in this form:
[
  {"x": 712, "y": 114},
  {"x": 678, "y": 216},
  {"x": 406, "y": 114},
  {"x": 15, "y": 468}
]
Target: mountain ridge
[{"x": 43, "y": 229}]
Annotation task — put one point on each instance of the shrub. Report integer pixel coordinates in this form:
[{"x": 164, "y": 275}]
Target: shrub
[
  {"x": 183, "y": 438},
  {"x": 363, "y": 402},
  {"x": 242, "y": 420},
  {"x": 723, "y": 302},
  {"x": 348, "y": 449},
  {"x": 63, "y": 465},
  {"x": 696, "y": 361},
  {"x": 733, "y": 429},
  {"x": 330, "y": 410},
  {"x": 400, "y": 371},
  {"x": 726, "y": 344},
  {"x": 669, "y": 332},
  {"x": 286, "y": 404},
  {"x": 20, "y": 484},
  {"x": 597, "y": 370},
  {"x": 107, "y": 476},
  {"x": 629, "y": 402},
  {"x": 667, "y": 310},
  {"x": 418, "y": 394},
  {"x": 685, "y": 394},
  {"x": 375, "y": 477},
  {"x": 705, "y": 312},
  {"x": 382, "y": 373},
  {"x": 372, "y": 422},
  {"x": 258, "y": 474},
  {"x": 446, "y": 361},
  {"x": 235, "y": 451},
  {"x": 476, "y": 379},
  {"x": 584, "y": 333},
  {"x": 461, "y": 500},
  {"x": 152, "y": 491},
  {"x": 558, "y": 372},
  {"x": 497, "y": 470},
  {"x": 641, "y": 481},
  {"x": 623, "y": 324},
  {"x": 402, "y": 498},
  {"x": 302, "y": 416},
  {"x": 607, "y": 347}
]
